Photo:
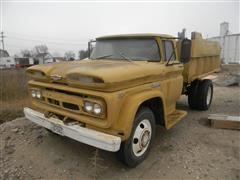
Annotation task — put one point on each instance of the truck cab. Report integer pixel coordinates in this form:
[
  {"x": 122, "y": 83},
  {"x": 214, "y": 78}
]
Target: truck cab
[{"x": 114, "y": 99}]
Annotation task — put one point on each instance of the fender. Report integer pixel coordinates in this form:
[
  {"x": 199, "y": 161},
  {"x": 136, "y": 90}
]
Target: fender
[{"x": 130, "y": 106}]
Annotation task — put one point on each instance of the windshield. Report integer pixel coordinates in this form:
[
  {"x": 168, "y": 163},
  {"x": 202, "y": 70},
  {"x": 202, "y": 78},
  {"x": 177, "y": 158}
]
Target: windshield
[{"x": 126, "y": 49}]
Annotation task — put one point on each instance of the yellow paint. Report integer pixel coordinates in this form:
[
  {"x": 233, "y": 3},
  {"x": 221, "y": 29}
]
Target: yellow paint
[{"x": 126, "y": 86}]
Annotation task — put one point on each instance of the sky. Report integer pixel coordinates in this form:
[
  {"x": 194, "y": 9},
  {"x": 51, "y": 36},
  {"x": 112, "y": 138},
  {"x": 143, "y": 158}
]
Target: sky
[{"x": 69, "y": 25}]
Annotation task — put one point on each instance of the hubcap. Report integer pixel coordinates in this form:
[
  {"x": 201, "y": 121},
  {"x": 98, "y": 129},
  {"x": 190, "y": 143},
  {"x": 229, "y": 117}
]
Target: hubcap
[
  {"x": 209, "y": 94},
  {"x": 141, "y": 137}
]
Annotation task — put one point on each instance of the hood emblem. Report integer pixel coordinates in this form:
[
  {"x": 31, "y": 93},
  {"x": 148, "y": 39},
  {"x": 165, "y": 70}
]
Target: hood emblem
[{"x": 55, "y": 77}]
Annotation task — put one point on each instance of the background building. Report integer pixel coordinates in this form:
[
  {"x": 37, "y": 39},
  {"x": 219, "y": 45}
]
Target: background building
[
  {"x": 229, "y": 44},
  {"x": 6, "y": 61}
]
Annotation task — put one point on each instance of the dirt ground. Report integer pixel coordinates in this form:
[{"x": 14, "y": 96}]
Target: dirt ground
[{"x": 190, "y": 150}]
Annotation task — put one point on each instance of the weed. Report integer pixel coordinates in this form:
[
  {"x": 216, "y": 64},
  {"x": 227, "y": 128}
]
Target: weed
[{"x": 13, "y": 94}]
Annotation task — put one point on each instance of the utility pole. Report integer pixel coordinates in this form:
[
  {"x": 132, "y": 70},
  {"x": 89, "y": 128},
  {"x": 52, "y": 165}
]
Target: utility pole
[{"x": 2, "y": 39}]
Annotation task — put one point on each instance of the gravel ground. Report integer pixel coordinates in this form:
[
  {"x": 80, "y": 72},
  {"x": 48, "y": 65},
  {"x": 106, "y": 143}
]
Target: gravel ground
[{"x": 190, "y": 150}]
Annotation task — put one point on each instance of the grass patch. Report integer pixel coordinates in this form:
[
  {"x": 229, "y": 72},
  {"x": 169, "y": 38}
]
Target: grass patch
[{"x": 13, "y": 94}]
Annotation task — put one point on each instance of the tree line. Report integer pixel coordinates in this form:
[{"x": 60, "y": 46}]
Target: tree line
[{"x": 42, "y": 51}]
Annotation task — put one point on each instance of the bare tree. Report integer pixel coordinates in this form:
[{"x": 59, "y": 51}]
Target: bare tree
[
  {"x": 69, "y": 55},
  {"x": 41, "y": 51},
  {"x": 83, "y": 54},
  {"x": 27, "y": 53}
]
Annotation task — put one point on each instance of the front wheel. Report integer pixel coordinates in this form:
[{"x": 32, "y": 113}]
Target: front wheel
[{"x": 134, "y": 150}]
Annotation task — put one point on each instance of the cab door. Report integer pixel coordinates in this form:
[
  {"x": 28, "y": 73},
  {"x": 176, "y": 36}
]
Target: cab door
[{"x": 173, "y": 73}]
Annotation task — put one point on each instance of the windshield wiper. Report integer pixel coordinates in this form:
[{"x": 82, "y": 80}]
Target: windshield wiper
[
  {"x": 104, "y": 56},
  {"x": 124, "y": 56},
  {"x": 109, "y": 55}
]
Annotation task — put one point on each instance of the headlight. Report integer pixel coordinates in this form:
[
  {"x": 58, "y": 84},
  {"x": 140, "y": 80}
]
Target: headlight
[
  {"x": 88, "y": 106},
  {"x": 93, "y": 108},
  {"x": 97, "y": 109},
  {"x": 36, "y": 93}
]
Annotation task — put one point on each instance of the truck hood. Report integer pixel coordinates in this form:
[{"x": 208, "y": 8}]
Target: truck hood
[{"x": 113, "y": 74}]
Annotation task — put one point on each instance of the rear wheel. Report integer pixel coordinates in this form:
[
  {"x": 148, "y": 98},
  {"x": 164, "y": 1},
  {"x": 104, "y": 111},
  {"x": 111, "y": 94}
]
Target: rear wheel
[
  {"x": 205, "y": 94},
  {"x": 135, "y": 149},
  {"x": 200, "y": 94},
  {"x": 192, "y": 94}
]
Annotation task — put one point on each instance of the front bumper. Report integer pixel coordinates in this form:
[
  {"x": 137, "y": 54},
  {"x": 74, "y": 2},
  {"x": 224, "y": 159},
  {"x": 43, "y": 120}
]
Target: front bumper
[{"x": 75, "y": 131}]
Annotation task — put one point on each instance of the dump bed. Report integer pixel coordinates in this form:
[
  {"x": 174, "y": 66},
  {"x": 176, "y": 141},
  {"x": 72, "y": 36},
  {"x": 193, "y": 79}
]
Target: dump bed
[{"x": 205, "y": 59}]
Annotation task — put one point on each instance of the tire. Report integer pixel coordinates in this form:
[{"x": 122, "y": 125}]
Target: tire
[
  {"x": 136, "y": 148},
  {"x": 193, "y": 94},
  {"x": 205, "y": 94}
]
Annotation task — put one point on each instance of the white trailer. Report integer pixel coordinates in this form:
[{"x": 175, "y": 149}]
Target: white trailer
[{"x": 7, "y": 62}]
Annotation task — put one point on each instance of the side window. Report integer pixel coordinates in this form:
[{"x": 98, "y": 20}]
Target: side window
[{"x": 169, "y": 50}]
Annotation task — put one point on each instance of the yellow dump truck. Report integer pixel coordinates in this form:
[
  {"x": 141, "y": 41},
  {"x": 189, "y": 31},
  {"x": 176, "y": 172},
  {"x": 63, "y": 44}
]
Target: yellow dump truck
[{"x": 114, "y": 99}]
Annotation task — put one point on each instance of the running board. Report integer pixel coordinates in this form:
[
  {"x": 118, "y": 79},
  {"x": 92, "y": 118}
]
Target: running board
[{"x": 174, "y": 117}]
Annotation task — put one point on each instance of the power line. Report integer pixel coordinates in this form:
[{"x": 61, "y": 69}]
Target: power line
[
  {"x": 45, "y": 37},
  {"x": 46, "y": 41},
  {"x": 57, "y": 44}
]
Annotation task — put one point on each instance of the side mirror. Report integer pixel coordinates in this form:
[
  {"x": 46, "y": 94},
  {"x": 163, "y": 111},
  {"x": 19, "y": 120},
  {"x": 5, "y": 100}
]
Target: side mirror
[{"x": 185, "y": 53}]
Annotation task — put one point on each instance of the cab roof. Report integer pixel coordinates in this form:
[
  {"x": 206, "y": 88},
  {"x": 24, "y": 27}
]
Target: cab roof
[{"x": 144, "y": 35}]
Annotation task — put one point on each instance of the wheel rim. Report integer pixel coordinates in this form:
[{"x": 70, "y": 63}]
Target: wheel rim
[
  {"x": 141, "y": 137},
  {"x": 209, "y": 95}
]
